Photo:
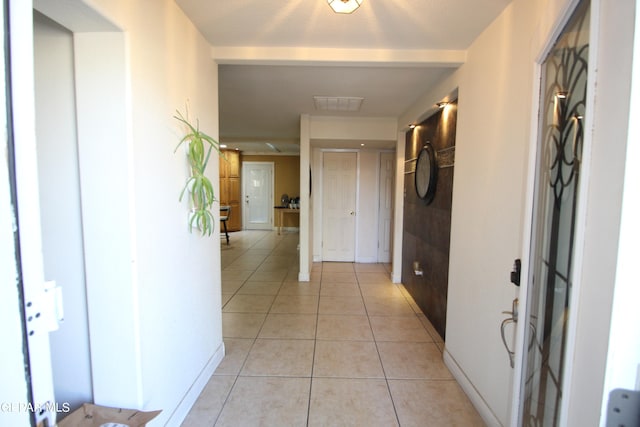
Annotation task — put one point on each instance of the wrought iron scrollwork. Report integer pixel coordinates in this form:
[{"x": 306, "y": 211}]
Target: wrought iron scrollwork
[{"x": 567, "y": 93}]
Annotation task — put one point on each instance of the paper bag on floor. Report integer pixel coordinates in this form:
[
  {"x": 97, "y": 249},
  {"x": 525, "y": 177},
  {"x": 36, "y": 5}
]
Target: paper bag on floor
[{"x": 90, "y": 415}]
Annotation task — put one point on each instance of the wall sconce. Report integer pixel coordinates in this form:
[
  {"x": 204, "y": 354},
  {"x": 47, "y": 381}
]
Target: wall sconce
[
  {"x": 344, "y": 6},
  {"x": 562, "y": 95}
]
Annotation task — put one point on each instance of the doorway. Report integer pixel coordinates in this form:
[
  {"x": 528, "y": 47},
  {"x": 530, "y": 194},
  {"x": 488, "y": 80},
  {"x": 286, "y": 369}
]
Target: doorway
[
  {"x": 385, "y": 209},
  {"x": 60, "y": 204},
  {"x": 257, "y": 193},
  {"x": 339, "y": 206}
]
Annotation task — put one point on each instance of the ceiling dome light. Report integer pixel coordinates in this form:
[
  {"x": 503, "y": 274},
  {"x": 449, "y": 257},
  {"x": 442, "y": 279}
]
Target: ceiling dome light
[{"x": 344, "y": 6}]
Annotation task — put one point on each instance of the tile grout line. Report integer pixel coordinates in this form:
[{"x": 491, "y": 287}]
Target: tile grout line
[
  {"x": 315, "y": 335},
  {"x": 315, "y": 343},
  {"x": 258, "y": 334},
  {"x": 375, "y": 341},
  {"x": 235, "y": 381}
]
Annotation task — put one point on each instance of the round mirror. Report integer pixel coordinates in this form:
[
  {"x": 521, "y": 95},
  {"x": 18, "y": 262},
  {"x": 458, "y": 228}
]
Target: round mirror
[{"x": 426, "y": 173}]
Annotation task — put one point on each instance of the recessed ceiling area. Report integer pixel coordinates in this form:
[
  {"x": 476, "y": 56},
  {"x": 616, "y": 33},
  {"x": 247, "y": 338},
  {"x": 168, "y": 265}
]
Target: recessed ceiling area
[
  {"x": 275, "y": 56},
  {"x": 263, "y": 103}
]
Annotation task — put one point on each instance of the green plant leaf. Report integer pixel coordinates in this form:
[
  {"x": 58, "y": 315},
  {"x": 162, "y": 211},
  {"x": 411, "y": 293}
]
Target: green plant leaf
[{"x": 198, "y": 186}]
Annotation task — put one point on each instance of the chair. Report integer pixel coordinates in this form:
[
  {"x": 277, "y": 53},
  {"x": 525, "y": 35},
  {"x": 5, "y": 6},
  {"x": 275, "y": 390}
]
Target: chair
[{"x": 225, "y": 213}]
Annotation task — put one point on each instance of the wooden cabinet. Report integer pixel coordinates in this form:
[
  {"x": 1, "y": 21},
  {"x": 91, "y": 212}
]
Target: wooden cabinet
[{"x": 230, "y": 189}]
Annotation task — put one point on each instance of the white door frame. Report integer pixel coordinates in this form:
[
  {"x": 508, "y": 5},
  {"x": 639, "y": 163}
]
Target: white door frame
[
  {"x": 245, "y": 213},
  {"x": 381, "y": 226},
  {"x": 31, "y": 264}
]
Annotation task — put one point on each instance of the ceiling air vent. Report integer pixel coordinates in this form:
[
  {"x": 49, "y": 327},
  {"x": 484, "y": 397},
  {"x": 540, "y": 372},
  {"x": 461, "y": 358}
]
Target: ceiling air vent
[{"x": 337, "y": 103}]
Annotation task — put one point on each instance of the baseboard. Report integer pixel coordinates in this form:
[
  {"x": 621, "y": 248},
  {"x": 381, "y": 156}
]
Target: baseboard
[
  {"x": 304, "y": 277},
  {"x": 367, "y": 260},
  {"x": 476, "y": 399},
  {"x": 396, "y": 277},
  {"x": 189, "y": 399},
  {"x": 286, "y": 229}
]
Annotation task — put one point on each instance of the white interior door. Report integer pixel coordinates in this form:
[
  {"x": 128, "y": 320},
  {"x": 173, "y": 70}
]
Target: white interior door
[
  {"x": 257, "y": 193},
  {"x": 385, "y": 217},
  {"x": 339, "y": 206}
]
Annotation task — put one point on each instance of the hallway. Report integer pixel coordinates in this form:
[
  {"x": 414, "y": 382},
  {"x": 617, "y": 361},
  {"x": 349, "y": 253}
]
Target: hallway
[{"x": 347, "y": 348}]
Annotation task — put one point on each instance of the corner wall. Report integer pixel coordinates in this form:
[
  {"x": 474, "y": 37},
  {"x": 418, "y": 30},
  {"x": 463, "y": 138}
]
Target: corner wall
[
  {"x": 496, "y": 90},
  {"x": 153, "y": 288}
]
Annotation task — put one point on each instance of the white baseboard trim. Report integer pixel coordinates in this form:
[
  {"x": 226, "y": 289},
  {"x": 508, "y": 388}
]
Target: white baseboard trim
[
  {"x": 367, "y": 260},
  {"x": 285, "y": 229},
  {"x": 189, "y": 399},
  {"x": 396, "y": 277},
  {"x": 304, "y": 277},
  {"x": 476, "y": 399}
]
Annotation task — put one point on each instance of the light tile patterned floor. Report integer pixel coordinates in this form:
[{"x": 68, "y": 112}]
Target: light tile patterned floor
[{"x": 348, "y": 348}]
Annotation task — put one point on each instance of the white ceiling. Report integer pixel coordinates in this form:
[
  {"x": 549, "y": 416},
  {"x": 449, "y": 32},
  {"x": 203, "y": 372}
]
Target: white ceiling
[{"x": 275, "y": 55}]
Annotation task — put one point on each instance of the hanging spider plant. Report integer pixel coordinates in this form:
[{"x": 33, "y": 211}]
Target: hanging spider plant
[{"x": 198, "y": 186}]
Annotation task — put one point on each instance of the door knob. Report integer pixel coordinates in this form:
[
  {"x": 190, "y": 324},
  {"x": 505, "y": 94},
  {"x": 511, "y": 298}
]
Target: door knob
[{"x": 352, "y": 213}]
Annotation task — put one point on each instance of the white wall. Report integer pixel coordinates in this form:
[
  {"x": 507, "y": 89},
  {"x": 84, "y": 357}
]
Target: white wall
[
  {"x": 352, "y": 128},
  {"x": 316, "y": 197},
  {"x": 154, "y": 294},
  {"x": 623, "y": 360},
  {"x": 494, "y": 112},
  {"x": 307, "y": 240},
  {"x": 60, "y": 203}
]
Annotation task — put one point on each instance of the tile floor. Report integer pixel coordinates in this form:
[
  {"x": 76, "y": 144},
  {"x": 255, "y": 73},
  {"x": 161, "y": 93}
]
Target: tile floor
[{"x": 348, "y": 348}]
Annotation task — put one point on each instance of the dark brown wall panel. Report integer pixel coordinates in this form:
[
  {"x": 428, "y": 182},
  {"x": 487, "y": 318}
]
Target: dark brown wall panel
[{"x": 427, "y": 228}]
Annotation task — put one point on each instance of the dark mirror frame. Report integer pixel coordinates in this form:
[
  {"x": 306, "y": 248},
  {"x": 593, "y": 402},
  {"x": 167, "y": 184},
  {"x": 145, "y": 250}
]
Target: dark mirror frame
[{"x": 427, "y": 155}]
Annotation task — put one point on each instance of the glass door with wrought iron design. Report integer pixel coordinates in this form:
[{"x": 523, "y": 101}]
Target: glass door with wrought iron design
[{"x": 562, "y": 108}]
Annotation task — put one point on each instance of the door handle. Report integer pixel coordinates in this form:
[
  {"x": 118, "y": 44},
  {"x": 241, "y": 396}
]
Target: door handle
[
  {"x": 352, "y": 213},
  {"x": 513, "y": 319}
]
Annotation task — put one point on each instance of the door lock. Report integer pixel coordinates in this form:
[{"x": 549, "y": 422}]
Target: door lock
[{"x": 515, "y": 273}]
